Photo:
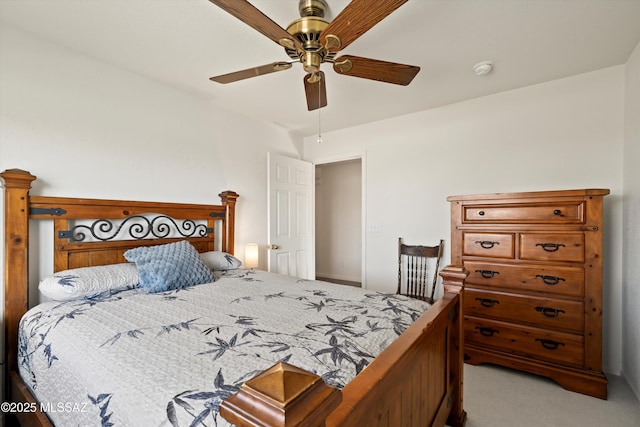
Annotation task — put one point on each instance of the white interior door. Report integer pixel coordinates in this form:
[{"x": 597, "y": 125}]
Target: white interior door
[{"x": 291, "y": 217}]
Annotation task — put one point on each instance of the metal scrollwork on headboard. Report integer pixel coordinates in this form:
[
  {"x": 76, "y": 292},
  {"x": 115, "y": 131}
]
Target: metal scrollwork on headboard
[{"x": 138, "y": 227}]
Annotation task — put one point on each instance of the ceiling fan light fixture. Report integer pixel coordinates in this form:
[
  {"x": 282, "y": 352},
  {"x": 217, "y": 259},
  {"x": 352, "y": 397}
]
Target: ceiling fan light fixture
[{"x": 483, "y": 68}]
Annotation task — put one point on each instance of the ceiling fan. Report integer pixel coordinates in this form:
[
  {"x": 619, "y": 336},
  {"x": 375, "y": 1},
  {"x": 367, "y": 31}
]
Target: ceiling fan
[{"x": 312, "y": 41}]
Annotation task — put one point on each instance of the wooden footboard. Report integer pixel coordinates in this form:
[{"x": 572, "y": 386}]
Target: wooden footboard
[{"x": 416, "y": 381}]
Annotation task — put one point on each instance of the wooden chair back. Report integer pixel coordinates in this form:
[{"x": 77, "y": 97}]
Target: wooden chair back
[{"x": 418, "y": 268}]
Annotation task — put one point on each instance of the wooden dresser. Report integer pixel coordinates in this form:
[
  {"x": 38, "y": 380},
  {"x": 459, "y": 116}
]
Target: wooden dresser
[{"x": 533, "y": 298}]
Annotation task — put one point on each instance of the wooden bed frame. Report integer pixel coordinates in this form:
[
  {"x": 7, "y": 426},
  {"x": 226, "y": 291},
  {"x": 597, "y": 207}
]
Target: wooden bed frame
[{"x": 416, "y": 381}]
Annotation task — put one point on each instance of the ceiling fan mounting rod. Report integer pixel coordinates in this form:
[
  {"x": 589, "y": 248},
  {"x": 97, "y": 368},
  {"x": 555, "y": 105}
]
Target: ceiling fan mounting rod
[{"x": 312, "y": 8}]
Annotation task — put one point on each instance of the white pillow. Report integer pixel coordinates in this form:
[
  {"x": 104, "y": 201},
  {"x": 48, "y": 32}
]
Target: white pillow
[
  {"x": 89, "y": 281},
  {"x": 218, "y": 260}
]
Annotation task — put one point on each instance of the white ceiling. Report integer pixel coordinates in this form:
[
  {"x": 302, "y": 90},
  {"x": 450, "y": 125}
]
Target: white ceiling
[{"x": 181, "y": 43}]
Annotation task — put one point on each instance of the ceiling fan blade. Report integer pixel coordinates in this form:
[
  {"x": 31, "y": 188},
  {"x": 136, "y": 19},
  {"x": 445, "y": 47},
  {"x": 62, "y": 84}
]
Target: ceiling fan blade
[
  {"x": 250, "y": 15},
  {"x": 374, "y": 69},
  {"x": 355, "y": 19},
  {"x": 251, "y": 72},
  {"x": 316, "y": 91}
]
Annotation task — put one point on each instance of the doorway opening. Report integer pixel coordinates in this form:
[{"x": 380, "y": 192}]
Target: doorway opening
[{"x": 338, "y": 222}]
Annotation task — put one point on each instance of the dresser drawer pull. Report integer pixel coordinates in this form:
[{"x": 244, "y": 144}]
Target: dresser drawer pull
[
  {"x": 550, "y": 247},
  {"x": 487, "y": 274},
  {"x": 557, "y": 212},
  {"x": 550, "y": 280},
  {"x": 487, "y": 332},
  {"x": 486, "y": 302},
  {"x": 549, "y": 312},
  {"x": 550, "y": 344},
  {"x": 486, "y": 244}
]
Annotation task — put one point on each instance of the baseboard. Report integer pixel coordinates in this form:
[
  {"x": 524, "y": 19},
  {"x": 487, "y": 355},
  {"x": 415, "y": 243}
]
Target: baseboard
[{"x": 339, "y": 277}]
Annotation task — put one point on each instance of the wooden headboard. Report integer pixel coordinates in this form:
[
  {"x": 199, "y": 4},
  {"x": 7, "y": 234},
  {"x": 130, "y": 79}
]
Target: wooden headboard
[{"x": 91, "y": 232}]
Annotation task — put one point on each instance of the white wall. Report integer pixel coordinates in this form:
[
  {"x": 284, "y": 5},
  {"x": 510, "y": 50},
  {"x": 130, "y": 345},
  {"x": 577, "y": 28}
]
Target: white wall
[
  {"x": 87, "y": 129},
  {"x": 565, "y": 134},
  {"x": 631, "y": 225},
  {"x": 338, "y": 220}
]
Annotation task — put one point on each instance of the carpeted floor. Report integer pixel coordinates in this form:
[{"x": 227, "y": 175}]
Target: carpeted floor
[{"x": 496, "y": 397}]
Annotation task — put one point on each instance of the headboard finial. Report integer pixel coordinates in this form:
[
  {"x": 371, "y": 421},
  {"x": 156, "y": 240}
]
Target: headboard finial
[
  {"x": 17, "y": 178},
  {"x": 228, "y": 196}
]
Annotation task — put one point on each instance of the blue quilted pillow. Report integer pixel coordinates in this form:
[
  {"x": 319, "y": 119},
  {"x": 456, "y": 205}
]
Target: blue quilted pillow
[{"x": 171, "y": 266}]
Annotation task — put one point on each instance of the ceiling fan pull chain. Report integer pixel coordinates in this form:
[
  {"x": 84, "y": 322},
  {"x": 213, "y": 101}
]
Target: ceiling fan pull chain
[{"x": 319, "y": 110}]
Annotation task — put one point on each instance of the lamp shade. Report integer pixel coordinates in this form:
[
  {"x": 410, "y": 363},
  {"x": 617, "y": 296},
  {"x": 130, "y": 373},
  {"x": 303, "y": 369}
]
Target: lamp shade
[{"x": 251, "y": 255}]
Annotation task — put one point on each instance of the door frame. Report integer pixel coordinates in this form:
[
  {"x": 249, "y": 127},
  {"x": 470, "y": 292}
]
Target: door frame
[{"x": 363, "y": 222}]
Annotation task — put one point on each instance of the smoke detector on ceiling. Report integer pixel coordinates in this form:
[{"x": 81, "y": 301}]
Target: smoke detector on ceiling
[{"x": 483, "y": 68}]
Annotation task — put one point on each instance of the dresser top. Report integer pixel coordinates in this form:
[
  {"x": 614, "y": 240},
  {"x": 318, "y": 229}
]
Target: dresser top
[{"x": 533, "y": 194}]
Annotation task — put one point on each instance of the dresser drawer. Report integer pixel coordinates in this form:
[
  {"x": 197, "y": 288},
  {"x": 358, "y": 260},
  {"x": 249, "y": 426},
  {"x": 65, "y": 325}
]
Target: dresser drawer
[
  {"x": 552, "y": 246},
  {"x": 541, "y": 344},
  {"x": 550, "y": 313},
  {"x": 492, "y": 245},
  {"x": 551, "y": 279},
  {"x": 550, "y": 213}
]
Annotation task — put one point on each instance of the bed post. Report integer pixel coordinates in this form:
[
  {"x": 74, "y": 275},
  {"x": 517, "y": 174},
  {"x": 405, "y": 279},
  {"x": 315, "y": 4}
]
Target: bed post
[
  {"x": 453, "y": 278},
  {"x": 229, "y": 202},
  {"x": 17, "y": 184},
  {"x": 281, "y": 396}
]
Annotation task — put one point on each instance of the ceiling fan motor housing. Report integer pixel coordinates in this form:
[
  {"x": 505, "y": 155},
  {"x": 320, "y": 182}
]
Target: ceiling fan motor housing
[{"x": 307, "y": 30}]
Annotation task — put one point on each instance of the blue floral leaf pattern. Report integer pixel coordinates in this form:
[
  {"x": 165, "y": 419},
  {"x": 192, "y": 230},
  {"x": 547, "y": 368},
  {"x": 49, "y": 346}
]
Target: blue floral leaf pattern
[
  {"x": 276, "y": 346},
  {"x": 66, "y": 280},
  {"x": 230, "y": 259},
  {"x": 276, "y": 295},
  {"x": 171, "y": 414},
  {"x": 318, "y": 306},
  {"x": 102, "y": 401},
  {"x": 47, "y": 352},
  {"x": 220, "y": 347},
  {"x": 209, "y": 401},
  {"x": 200, "y": 418}
]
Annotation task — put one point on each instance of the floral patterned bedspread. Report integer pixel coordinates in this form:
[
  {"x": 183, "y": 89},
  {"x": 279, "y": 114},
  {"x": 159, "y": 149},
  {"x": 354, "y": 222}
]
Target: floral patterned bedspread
[{"x": 169, "y": 359}]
